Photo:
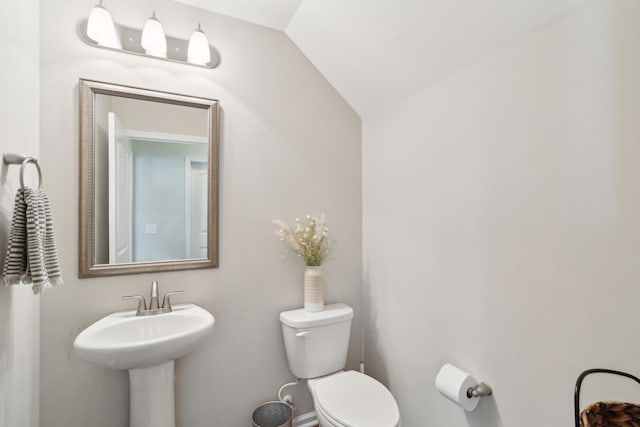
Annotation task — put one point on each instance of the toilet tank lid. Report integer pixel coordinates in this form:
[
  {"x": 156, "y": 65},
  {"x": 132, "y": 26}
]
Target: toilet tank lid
[{"x": 332, "y": 313}]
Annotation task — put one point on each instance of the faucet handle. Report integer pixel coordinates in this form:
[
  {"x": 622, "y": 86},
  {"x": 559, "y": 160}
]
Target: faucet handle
[
  {"x": 142, "y": 304},
  {"x": 166, "y": 300}
]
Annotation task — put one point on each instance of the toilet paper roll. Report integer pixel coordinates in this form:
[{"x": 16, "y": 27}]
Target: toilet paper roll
[{"x": 453, "y": 384}]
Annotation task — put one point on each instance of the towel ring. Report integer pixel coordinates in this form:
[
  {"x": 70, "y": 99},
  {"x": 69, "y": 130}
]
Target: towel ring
[{"x": 24, "y": 163}]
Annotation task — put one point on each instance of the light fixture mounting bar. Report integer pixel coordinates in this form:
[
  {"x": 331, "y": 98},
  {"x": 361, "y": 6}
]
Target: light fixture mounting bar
[{"x": 130, "y": 37}]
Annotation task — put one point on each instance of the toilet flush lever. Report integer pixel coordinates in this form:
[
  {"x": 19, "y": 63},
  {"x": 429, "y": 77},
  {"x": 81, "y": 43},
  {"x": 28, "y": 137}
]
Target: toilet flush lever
[{"x": 302, "y": 334}]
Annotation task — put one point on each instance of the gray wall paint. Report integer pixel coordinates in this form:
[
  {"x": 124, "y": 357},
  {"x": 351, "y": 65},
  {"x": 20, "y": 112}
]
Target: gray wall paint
[
  {"x": 19, "y": 127},
  {"x": 289, "y": 145},
  {"x": 502, "y": 220}
]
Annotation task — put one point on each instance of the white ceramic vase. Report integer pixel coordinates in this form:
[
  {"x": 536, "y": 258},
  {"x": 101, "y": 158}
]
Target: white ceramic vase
[{"x": 313, "y": 290}]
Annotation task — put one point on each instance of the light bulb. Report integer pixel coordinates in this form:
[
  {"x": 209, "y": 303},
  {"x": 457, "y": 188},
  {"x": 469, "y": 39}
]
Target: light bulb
[
  {"x": 198, "y": 52},
  {"x": 154, "y": 41},
  {"x": 100, "y": 28}
]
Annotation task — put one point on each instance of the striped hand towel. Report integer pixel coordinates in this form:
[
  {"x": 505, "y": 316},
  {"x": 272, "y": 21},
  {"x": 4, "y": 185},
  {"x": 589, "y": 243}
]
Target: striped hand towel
[{"x": 31, "y": 254}]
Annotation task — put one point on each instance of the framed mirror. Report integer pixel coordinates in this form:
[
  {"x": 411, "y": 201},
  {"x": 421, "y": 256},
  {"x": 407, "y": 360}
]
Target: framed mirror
[{"x": 148, "y": 180}]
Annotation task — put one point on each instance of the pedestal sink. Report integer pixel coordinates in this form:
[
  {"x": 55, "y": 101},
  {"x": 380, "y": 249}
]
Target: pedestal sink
[{"x": 147, "y": 346}]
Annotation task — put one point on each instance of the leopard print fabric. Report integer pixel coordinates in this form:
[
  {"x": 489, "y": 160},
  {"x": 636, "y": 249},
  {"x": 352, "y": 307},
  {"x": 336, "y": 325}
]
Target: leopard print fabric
[{"x": 611, "y": 414}]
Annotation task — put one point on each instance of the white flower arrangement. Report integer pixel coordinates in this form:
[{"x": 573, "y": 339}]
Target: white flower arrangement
[{"x": 309, "y": 241}]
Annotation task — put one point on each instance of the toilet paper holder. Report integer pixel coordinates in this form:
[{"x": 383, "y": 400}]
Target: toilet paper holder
[
  {"x": 479, "y": 390},
  {"x": 460, "y": 387}
]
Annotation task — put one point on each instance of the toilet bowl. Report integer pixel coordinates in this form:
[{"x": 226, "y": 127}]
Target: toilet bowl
[
  {"x": 316, "y": 345},
  {"x": 349, "y": 398}
]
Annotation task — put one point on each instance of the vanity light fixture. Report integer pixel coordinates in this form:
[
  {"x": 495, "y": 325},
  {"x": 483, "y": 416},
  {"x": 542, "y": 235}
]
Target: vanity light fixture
[
  {"x": 100, "y": 27},
  {"x": 153, "y": 40},
  {"x": 99, "y": 30},
  {"x": 199, "y": 47}
]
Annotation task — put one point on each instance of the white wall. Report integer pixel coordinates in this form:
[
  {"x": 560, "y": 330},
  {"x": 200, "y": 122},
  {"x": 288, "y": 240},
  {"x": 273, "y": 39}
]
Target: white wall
[
  {"x": 502, "y": 223},
  {"x": 19, "y": 115},
  {"x": 289, "y": 145}
]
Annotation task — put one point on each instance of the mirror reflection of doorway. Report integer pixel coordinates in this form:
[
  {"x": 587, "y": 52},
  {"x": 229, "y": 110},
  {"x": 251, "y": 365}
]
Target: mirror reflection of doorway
[{"x": 158, "y": 190}]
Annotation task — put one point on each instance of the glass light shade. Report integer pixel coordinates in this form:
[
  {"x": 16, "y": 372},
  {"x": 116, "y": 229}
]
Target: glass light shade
[
  {"x": 154, "y": 41},
  {"x": 100, "y": 28},
  {"x": 198, "y": 52}
]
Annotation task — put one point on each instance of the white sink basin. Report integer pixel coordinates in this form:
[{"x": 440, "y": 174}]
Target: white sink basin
[{"x": 123, "y": 340}]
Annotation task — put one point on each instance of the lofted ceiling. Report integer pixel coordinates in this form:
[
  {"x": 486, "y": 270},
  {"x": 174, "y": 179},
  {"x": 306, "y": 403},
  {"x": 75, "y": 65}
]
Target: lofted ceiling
[
  {"x": 274, "y": 14},
  {"x": 375, "y": 52}
]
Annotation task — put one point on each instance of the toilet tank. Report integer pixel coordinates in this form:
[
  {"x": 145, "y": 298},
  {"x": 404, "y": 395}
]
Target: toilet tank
[{"x": 317, "y": 343}]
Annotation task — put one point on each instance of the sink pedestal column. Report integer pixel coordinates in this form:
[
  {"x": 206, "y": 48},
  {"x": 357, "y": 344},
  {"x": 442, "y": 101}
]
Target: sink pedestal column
[{"x": 152, "y": 402}]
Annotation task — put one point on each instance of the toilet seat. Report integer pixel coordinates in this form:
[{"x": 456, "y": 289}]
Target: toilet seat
[{"x": 352, "y": 399}]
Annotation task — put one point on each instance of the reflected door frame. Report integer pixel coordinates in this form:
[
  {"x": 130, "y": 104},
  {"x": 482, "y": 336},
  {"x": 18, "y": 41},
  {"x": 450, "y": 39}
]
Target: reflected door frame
[
  {"x": 120, "y": 167},
  {"x": 188, "y": 202}
]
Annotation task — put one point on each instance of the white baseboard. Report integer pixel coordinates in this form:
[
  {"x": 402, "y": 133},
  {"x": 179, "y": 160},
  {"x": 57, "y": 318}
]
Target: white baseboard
[{"x": 306, "y": 420}]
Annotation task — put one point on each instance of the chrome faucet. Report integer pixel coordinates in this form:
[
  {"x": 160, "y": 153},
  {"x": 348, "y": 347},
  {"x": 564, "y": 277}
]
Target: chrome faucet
[{"x": 154, "y": 306}]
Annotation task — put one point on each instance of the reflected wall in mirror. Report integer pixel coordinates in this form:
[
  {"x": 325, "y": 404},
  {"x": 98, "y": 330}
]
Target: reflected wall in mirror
[{"x": 148, "y": 180}]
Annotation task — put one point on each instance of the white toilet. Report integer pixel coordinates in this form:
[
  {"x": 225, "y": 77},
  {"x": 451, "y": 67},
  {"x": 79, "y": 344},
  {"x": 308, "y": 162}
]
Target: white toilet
[{"x": 316, "y": 345}]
